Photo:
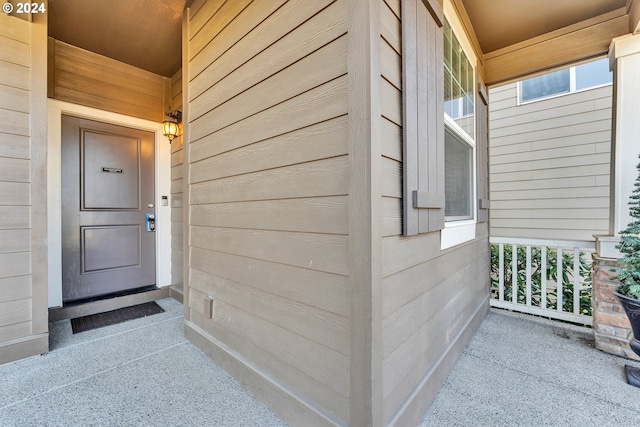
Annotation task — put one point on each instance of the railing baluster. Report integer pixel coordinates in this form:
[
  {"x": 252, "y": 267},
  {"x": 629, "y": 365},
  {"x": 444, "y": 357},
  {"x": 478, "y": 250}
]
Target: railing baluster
[
  {"x": 559, "y": 274},
  {"x": 501, "y": 270},
  {"x": 543, "y": 277},
  {"x": 528, "y": 272},
  {"x": 576, "y": 281},
  {"x": 514, "y": 273}
]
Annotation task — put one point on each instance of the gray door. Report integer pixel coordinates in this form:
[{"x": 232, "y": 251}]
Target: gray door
[{"x": 107, "y": 192}]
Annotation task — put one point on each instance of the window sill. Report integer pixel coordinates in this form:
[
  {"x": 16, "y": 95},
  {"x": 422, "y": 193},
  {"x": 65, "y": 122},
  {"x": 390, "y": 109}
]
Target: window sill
[{"x": 455, "y": 233}]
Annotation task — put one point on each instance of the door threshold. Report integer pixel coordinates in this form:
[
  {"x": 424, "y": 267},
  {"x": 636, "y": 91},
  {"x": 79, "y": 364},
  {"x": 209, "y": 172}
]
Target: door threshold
[{"x": 101, "y": 306}]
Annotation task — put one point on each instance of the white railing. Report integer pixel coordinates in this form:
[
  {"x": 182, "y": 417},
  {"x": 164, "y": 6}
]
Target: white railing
[{"x": 530, "y": 267}]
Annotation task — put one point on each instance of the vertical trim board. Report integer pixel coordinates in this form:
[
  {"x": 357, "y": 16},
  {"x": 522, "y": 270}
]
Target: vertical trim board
[{"x": 364, "y": 212}]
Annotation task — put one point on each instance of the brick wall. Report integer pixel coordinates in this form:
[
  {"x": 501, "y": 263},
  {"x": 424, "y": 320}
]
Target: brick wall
[{"x": 610, "y": 324}]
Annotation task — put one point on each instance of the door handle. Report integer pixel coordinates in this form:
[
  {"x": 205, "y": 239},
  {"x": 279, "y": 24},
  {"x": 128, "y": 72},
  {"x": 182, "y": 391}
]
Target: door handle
[{"x": 151, "y": 221}]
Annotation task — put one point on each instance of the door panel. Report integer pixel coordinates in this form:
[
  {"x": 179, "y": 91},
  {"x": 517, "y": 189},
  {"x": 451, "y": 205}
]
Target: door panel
[
  {"x": 109, "y": 248},
  {"x": 111, "y": 164},
  {"x": 107, "y": 188}
]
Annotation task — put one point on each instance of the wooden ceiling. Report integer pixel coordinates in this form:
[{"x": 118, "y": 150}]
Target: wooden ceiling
[
  {"x": 147, "y": 33},
  {"x": 502, "y": 23},
  {"x": 142, "y": 33}
]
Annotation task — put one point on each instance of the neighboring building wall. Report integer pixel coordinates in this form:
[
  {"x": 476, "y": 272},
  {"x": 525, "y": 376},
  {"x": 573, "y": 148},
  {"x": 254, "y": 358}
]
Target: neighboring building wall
[
  {"x": 177, "y": 185},
  {"x": 86, "y": 78},
  {"x": 23, "y": 280},
  {"x": 432, "y": 300},
  {"x": 268, "y": 199},
  {"x": 550, "y": 164}
]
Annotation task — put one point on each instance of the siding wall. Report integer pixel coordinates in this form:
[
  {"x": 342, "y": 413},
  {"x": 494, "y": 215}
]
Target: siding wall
[
  {"x": 86, "y": 78},
  {"x": 23, "y": 285},
  {"x": 432, "y": 300},
  {"x": 268, "y": 198},
  {"x": 550, "y": 164},
  {"x": 177, "y": 185}
]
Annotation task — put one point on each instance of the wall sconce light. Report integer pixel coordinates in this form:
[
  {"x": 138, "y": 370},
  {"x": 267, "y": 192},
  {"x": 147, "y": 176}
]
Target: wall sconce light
[{"x": 171, "y": 125}]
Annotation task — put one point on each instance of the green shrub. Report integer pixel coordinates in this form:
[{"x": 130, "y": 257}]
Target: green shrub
[{"x": 629, "y": 272}]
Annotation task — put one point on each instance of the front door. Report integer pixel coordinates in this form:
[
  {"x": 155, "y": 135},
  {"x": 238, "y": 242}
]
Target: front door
[{"x": 108, "y": 245}]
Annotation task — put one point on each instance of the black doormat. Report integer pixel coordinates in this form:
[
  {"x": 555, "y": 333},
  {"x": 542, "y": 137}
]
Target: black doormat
[{"x": 95, "y": 321}]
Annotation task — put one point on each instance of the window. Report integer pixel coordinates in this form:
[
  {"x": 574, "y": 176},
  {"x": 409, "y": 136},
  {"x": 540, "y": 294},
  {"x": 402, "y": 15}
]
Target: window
[
  {"x": 592, "y": 74},
  {"x": 459, "y": 130},
  {"x": 568, "y": 80},
  {"x": 546, "y": 85},
  {"x": 458, "y": 82},
  {"x": 458, "y": 181}
]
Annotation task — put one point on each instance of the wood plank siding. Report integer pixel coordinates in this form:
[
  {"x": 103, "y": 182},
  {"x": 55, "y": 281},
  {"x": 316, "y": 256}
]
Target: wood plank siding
[
  {"x": 298, "y": 279},
  {"x": 86, "y": 78},
  {"x": 550, "y": 164},
  {"x": 268, "y": 182},
  {"x": 23, "y": 283},
  {"x": 177, "y": 189},
  {"x": 432, "y": 300}
]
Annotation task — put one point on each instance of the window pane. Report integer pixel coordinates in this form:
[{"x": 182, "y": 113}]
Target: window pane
[
  {"x": 545, "y": 85},
  {"x": 592, "y": 74},
  {"x": 457, "y": 181},
  {"x": 458, "y": 83}
]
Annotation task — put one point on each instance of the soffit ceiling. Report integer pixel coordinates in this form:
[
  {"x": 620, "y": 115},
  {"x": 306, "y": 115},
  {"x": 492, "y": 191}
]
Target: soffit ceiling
[
  {"x": 142, "y": 33},
  {"x": 147, "y": 33},
  {"x": 502, "y": 23}
]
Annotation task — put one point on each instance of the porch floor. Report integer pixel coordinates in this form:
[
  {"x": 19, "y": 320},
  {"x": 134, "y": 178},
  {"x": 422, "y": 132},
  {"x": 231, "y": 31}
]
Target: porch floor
[{"x": 516, "y": 371}]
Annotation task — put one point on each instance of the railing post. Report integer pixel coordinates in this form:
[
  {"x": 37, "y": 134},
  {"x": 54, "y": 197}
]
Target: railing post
[
  {"x": 543, "y": 277},
  {"x": 528, "y": 273},
  {"x": 501, "y": 270},
  {"x": 559, "y": 274},
  {"x": 514, "y": 273},
  {"x": 576, "y": 281}
]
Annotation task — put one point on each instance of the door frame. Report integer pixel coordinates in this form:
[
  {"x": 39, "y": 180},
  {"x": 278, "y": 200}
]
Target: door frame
[{"x": 55, "y": 110}]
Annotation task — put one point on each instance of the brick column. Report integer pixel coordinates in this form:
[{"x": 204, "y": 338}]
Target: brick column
[{"x": 611, "y": 327}]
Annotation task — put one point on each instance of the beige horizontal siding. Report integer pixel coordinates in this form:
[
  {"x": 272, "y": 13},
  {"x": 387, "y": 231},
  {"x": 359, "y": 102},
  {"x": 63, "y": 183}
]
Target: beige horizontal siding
[
  {"x": 315, "y": 142},
  {"x": 430, "y": 322},
  {"x": 319, "y": 104},
  {"x": 550, "y": 162},
  {"x": 429, "y": 295},
  {"x": 21, "y": 310},
  {"x": 252, "y": 35},
  {"x": 268, "y": 180},
  {"x": 15, "y": 188}
]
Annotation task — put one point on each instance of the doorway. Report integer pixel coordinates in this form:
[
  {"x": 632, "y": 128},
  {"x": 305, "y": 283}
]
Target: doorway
[
  {"x": 163, "y": 208},
  {"x": 108, "y": 209}
]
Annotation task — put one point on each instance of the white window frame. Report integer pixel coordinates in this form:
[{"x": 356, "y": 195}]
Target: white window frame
[{"x": 457, "y": 232}]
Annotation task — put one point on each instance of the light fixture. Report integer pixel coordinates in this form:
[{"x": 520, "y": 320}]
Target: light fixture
[{"x": 171, "y": 125}]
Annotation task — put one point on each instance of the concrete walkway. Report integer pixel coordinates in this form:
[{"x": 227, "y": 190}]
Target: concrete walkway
[
  {"x": 138, "y": 373},
  {"x": 519, "y": 370},
  {"x": 516, "y": 371}
]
